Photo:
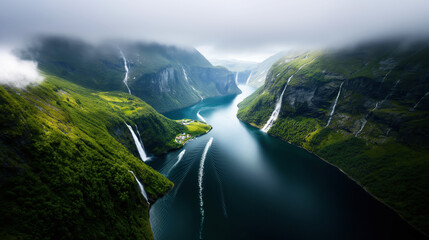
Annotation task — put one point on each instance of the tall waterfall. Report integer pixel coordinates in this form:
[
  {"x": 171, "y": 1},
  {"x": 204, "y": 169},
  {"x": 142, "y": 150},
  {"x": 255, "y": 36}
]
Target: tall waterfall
[
  {"x": 142, "y": 191},
  {"x": 377, "y": 104},
  {"x": 278, "y": 107},
  {"x": 335, "y": 104},
  {"x": 276, "y": 111},
  {"x": 185, "y": 75},
  {"x": 126, "y": 71},
  {"x": 179, "y": 158},
  {"x": 236, "y": 78},
  {"x": 417, "y": 104},
  {"x": 139, "y": 145},
  {"x": 187, "y": 80},
  {"x": 248, "y": 78},
  {"x": 200, "y": 183}
]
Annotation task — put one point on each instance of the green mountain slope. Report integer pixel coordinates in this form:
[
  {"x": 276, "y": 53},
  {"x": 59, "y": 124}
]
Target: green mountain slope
[
  {"x": 65, "y": 155},
  {"x": 259, "y": 72},
  {"x": 166, "y": 77},
  {"x": 379, "y": 130}
]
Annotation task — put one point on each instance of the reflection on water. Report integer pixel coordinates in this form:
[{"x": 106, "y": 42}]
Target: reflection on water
[{"x": 259, "y": 187}]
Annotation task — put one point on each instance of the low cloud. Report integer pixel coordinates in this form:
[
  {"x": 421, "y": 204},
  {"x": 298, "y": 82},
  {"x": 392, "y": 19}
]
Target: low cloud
[{"x": 17, "y": 72}]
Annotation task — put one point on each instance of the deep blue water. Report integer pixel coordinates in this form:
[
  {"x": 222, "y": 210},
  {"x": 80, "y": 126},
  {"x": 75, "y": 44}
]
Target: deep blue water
[{"x": 258, "y": 187}]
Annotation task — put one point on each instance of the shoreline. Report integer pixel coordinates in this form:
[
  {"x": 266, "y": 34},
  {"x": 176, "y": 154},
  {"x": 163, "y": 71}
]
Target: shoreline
[{"x": 347, "y": 175}]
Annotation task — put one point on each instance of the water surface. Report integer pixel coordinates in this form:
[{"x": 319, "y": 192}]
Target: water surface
[{"x": 255, "y": 186}]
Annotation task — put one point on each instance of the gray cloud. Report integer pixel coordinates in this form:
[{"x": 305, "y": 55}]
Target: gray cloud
[{"x": 226, "y": 26}]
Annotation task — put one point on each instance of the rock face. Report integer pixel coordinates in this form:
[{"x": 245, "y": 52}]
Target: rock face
[
  {"x": 376, "y": 134},
  {"x": 166, "y": 77}
]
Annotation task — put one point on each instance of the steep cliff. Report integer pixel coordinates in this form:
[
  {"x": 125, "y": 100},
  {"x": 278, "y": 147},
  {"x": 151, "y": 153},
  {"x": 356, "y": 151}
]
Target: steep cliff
[
  {"x": 65, "y": 157},
  {"x": 166, "y": 77},
  {"x": 363, "y": 109}
]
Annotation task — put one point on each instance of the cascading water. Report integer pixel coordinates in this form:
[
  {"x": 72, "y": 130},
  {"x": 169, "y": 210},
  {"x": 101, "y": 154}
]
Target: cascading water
[
  {"x": 276, "y": 111},
  {"x": 139, "y": 145},
  {"x": 200, "y": 183},
  {"x": 236, "y": 78},
  {"x": 248, "y": 78},
  {"x": 187, "y": 80},
  {"x": 185, "y": 75},
  {"x": 377, "y": 104},
  {"x": 201, "y": 117},
  {"x": 179, "y": 158},
  {"x": 126, "y": 71},
  {"x": 335, "y": 104},
  {"x": 417, "y": 104},
  {"x": 142, "y": 191},
  {"x": 278, "y": 107}
]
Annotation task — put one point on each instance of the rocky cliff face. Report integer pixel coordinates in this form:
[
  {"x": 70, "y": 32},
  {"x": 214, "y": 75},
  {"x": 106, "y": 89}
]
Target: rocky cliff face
[
  {"x": 365, "y": 110},
  {"x": 166, "y": 77}
]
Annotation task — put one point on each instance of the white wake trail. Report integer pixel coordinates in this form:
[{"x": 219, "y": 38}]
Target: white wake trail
[
  {"x": 142, "y": 191},
  {"x": 139, "y": 145},
  {"x": 179, "y": 158},
  {"x": 126, "y": 71},
  {"x": 200, "y": 183},
  {"x": 335, "y": 104},
  {"x": 201, "y": 117}
]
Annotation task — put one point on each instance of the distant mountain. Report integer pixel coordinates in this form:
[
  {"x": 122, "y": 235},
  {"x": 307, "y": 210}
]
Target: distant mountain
[
  {"x": 363, "y": 109},
  {"x": 259, "y": 72},
  {"x": 166, "y": 77},
  {"x": 234, "y": 65}
]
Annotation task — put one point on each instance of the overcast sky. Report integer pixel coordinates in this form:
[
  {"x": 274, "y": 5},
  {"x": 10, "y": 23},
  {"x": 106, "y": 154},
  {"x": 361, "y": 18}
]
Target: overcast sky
[{"x": 243, "y": 29}]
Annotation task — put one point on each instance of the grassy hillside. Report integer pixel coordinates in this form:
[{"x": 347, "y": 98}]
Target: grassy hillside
[
  {"x": 166, "y": 77},
  {"x": 377, "y": 134},
  {"x": 65, "y": 153}
]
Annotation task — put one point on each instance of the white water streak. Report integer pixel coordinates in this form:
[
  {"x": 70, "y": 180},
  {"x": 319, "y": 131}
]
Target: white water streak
[
  {"x": 417, "y": 104},
  {"x": 185, "y": 75},
  {"x": 236, "y": 78},
  {"x": 248, "y": 79},
  {"x": 377, "y": 104},
  {"x": 276, "y": 111},
  {"x": 187, "y": 80},
  {"x": 142, "y": 191},
  {"x": 139, "y": 145},
  {"x": 335, "y": 104},
  {"x": 126, "y": 71},
  {"x": 201, "y": 117},
  {"x": 179, "y": 158},
  {"x": 200, "y": 183},
  {"x": 278, "y": 107}
]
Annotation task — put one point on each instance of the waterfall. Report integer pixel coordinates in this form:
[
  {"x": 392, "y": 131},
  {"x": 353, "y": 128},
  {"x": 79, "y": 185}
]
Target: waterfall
[
  {"x": 335, "y": 104},
  {"x": 200, "y": 183},
  {"x": 276, "y": 111},
  {"x": 236, "y": 78},
  {"x": 248, "y": 78},
  {"x": 187, "y": 80},
  {"x": 278, "y": 107},
  {"x": 139, "y": 144},
  {"x": 377, "y": 104},
  {"x": 186, "y": 75},
  {"x": 126, "y": 71},
  {"x": 143, "y": 192},
  {"x": 179, "y": 157},
  {"x": 201, "y": 117},
  {"x": 417, "y": 104}
]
